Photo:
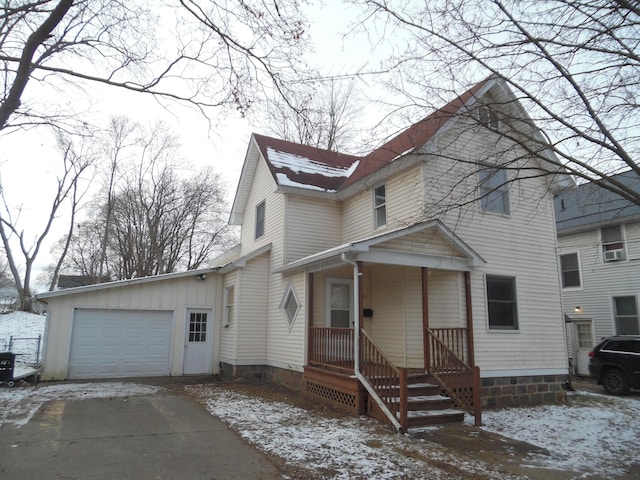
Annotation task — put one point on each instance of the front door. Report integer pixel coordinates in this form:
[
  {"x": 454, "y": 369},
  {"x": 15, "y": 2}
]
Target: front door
[
  {"x": 339, "y": 303},
  {"x": 583, "y": 345},
  {"x": 198, "y": 341}
]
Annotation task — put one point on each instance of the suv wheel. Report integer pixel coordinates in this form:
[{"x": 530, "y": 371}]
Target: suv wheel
[{"x": 615, "y": 382}]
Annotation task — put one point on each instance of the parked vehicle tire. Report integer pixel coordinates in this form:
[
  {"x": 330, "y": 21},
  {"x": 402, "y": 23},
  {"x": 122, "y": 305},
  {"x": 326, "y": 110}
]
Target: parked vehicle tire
[{"x": 615, "y": 382}]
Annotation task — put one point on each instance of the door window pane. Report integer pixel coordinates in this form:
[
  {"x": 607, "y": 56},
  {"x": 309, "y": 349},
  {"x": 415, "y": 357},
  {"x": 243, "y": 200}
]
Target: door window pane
[{"x": 198, "y": 327}]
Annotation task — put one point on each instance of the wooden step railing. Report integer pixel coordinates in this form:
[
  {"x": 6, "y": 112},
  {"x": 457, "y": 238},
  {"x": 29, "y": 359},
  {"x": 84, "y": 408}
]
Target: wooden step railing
[
  {"x": 388, "y": 381},
  {"x": 459, "y": 380}
]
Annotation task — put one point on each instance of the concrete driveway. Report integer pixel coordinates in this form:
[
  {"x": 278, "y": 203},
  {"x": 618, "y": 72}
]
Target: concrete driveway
[{"x": 166, "y": 435}]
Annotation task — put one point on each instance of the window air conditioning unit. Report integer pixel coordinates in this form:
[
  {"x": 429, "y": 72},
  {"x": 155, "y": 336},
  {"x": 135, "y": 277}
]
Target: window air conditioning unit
[{"x": 613, "y": 255}]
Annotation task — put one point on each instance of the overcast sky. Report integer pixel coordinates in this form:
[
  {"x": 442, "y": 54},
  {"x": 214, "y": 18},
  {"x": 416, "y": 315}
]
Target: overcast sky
[{"x": 29, "y": 161}]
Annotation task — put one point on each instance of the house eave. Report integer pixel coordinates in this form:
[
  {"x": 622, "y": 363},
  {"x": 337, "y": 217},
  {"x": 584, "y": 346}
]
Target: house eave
[
  {"x": 242, "y": 261},
  {"x": 366, "y": 250}
]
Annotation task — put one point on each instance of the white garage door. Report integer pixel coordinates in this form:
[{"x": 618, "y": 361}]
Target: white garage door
[{"x": 120, "y": 343}]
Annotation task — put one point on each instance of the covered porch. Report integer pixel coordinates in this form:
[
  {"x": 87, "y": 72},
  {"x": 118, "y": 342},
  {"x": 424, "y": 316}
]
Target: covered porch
[{"x": 390, "y": 321}]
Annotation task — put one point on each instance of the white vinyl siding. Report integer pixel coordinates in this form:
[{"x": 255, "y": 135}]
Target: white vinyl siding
[
  {"x": 252, "y": 312},
  {"x": 521, "y": 245},
  {"x": 263, "y": 190},
  {"x": 601, "y": 281},
  {"x": 403, "y": 192},
  {"x": 312, "y": 226}
]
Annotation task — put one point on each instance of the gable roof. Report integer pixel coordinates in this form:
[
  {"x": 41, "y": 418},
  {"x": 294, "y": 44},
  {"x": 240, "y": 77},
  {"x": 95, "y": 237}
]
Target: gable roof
[
  {"x": 590, "y": 206},
  {"x": 308, "y": 169}
]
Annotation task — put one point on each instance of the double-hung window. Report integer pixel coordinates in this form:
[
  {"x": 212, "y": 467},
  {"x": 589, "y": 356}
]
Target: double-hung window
[
  {"x": 501, "y": 303},
  {"x": 229, "y": 302},
  {"x": 260, "y": 215},
  {"x": 380, "y": 205},
  {"x": 494, "y": 190},
  {"x": 570, "y": 269},
  {"x": 626, "y": 314}
]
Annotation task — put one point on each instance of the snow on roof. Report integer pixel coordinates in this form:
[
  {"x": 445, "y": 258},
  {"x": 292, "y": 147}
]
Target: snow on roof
[{"x": 289, "y": 166}]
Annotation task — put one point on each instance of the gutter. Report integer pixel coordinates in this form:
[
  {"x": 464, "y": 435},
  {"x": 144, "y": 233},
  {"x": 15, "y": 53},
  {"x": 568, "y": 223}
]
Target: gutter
[{"x": 356, "y": 346}]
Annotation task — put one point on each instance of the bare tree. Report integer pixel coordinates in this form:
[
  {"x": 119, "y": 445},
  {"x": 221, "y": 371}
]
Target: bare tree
[
  {"x": 573, "y": 65},
  {"x": 75, "y": 163},
  {"x": 203, "y": 53},
  {"x": 322, "y": 116},
  {"x": 149, "y": 217}
]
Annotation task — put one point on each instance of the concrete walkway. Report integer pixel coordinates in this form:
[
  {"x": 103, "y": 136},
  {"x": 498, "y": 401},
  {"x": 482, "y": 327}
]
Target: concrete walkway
[{"x": 160, "y": 436}]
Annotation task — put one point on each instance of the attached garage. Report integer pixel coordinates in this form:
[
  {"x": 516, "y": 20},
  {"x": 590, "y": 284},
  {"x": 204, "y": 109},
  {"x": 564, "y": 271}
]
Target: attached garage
[{"x": 120, "y": 343}]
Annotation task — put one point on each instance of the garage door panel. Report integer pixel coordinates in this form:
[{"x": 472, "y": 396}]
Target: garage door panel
[{"x": 117, "y": 343}]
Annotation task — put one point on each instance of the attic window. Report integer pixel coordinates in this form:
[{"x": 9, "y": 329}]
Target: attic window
[
  {"x": 290, "y": 305},
  {"x": 488, "y": 117}
]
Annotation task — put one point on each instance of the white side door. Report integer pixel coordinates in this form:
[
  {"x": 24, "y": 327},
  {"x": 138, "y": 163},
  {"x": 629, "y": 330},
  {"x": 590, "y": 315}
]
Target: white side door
[
  {"x": 583, "y": 344},
  {"x": 339, "y": 314},
  {"x": 198, "y": 342}
]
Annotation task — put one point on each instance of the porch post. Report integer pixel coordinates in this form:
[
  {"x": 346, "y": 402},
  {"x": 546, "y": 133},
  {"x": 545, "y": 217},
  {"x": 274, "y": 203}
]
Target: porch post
[
  {"x": 360, "y": 294},
  {"x": 309, "y": 317},
  {"x": 467, "y": 291},
  {"x": 425, "y": 316}
]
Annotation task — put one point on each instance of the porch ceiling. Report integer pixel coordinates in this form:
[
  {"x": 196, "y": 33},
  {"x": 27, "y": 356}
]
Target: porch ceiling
[{"x": 386, "y": 248}]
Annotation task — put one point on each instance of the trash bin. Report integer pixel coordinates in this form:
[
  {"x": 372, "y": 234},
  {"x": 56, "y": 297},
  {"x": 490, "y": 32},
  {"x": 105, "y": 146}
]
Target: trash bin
[{"x": 7, "y": 364}]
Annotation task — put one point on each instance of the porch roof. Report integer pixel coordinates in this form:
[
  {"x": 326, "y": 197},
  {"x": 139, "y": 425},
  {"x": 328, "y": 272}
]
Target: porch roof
[{"x": 370, "y": 250}]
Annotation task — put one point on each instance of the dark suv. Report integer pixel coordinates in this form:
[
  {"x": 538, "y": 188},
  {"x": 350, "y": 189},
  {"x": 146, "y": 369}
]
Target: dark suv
[{"x": 615, "y": 364}]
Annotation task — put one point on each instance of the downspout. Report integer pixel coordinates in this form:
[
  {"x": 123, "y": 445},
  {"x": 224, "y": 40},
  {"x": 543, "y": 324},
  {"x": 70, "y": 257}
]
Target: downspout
[{"x": 356, "y": 346}]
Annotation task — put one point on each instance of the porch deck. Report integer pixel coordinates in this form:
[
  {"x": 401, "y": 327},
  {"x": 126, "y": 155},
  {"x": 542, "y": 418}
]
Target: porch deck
[{"x": 385, "y": 391}]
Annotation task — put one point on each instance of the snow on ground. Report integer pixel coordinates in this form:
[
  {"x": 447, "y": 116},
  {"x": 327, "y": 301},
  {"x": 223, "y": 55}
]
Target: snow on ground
[
  {"x": 335, "y": 448},
  {"x": 20, "y": 324},
  {"x": 591, "y": 434}
]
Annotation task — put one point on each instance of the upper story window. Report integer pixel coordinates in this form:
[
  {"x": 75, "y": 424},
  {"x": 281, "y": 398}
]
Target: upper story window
[
  {"x": 380, "y": 205},
  {"x": 570, "y": 269},
  {"x": 489, "y": 117},
  {"x": 494, "y": 190},
  {"x": 260, "y": 213},
  {"x": 501, "y": 303},
  {"x": 612, "y": 243}
]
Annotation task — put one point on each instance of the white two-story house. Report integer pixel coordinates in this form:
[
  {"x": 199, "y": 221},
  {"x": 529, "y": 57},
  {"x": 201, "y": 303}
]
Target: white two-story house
[
  {"x": 599, "y": 259},
  {"x": 359, "y": 279}
]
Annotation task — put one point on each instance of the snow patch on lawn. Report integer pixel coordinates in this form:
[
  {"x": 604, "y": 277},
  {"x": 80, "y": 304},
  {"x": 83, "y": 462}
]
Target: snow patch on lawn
[
  {"x": 21, "y": 324},
  {"x": 335, "y": 448},
  {"x": 591, "y": 432},
  {"x": 19, "y": 404}
]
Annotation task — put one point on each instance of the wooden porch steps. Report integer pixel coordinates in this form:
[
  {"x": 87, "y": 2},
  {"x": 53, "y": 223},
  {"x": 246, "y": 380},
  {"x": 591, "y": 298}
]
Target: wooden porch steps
[{"x": 426, "y": 404}]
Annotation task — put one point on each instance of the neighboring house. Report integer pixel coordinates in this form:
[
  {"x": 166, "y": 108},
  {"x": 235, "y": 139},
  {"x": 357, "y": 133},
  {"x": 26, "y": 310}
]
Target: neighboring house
[
  {"x": 599, "y": 259},
  {"x": 447, "y": 267},
  {"x": 72, "y": 281}
]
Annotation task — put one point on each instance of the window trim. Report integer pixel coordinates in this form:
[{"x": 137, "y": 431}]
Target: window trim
[
  {"x": 260, "y": 220},
  {"x": 516, "y": 326},
  {"x": 382, "y": 207},
  {"x": 572, "y": 287},
  {"x": 503, "y": 189},
  {"x": 229, "y": 306},
  {"x": 288, "y": 293}
]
